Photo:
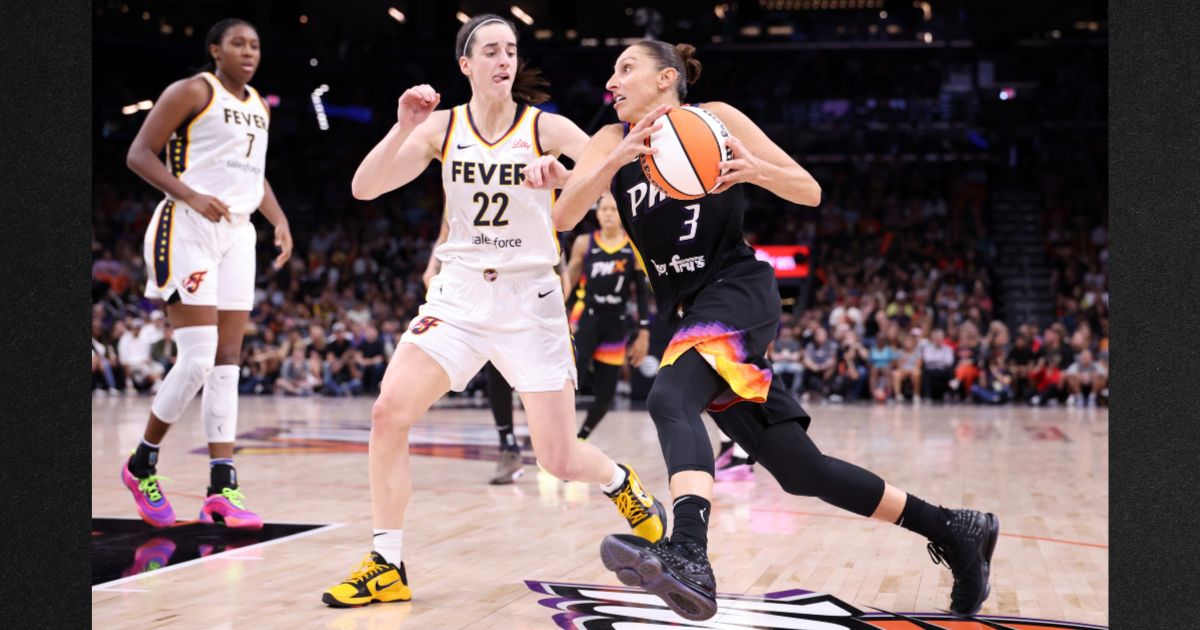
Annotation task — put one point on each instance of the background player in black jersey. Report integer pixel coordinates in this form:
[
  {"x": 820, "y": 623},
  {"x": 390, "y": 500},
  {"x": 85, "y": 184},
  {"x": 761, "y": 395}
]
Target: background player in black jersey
[
  {"x": 605, "y": 268},
  {"x": 725, "y": 307}
]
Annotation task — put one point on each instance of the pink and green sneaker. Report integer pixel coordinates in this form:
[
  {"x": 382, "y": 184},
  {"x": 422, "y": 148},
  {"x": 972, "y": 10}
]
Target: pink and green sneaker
[
  {"x": 227, "y": 509},
  {"x": 152, "y": 504}
]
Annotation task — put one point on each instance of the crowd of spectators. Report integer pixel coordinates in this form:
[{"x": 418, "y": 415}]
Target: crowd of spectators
[{"x": 902, "y": 300}]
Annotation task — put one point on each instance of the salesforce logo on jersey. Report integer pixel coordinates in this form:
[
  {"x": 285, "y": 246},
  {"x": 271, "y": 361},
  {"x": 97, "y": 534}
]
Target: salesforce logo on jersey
[{"x": 498, "y": 243}]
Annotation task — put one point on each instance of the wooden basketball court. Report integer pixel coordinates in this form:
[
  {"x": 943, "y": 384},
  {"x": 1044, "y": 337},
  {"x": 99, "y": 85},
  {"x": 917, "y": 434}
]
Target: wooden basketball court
[{"x": 526, "y": 555}]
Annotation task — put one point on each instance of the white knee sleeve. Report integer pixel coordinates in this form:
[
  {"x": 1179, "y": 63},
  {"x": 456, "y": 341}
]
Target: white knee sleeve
[
  {"x": 197, "y": 350},
  {"x": 219, "y": 403}
]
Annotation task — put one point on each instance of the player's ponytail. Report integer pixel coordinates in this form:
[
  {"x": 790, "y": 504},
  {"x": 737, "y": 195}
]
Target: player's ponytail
[
  {"x": 680, "y": 58},
  {"x": 529, "y": 85},
  {"x": 687, "y": 54}
]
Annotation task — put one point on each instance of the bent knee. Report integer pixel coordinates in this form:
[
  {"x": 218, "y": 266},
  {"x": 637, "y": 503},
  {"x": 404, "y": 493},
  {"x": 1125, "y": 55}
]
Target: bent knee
[
  {"x": 559, "y": 463},
  {"x": 663, "y": 405},
  {"x": 393, "y": 413}
]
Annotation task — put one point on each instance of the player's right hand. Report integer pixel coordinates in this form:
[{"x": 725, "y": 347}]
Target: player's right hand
[
  {"x": 416, "y": 104},
  {"x": 633, "y": 145},
  {"x": 210, "y": 207}
]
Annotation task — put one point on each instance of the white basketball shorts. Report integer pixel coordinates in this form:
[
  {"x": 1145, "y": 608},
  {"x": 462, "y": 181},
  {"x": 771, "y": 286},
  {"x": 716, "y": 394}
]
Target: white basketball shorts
[
  {"x": 516, "y": 320},
  {"x": 206, "y": 263}
]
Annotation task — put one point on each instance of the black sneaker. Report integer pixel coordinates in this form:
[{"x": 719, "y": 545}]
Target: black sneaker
[
  {"x": 679, "y": 574},
  {"x": 967, "y": 551}
]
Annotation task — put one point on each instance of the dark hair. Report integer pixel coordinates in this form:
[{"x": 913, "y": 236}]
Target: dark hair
[
  {"x": 681, "y": 57},
  {"x": 214, "y": 37},
  {"x": 528, "y": 84}
]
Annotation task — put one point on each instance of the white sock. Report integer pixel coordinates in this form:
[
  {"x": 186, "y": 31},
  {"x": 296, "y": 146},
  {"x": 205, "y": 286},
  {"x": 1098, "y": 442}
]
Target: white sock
[
  {"x": 738, "y": 451},
  {"x": 618, "y": 479},
  {"x": 149, "y": 444},
  {"x": 388, "y": 543}
]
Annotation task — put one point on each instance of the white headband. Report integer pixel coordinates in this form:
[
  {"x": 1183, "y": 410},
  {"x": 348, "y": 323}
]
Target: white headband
[{"x": 467, "y": 44}]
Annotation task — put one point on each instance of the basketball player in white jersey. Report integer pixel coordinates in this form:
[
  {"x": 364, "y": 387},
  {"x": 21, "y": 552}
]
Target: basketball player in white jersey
[
  {"x": 496, "y": 297},
  {"x": 200, "y": 258}
]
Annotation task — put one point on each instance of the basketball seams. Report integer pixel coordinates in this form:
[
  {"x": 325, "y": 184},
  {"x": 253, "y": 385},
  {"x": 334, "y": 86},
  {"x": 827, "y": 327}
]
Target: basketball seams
[
  {"x": 689, "y": 145},
  {"x": 668, "y": 166},
  {"x": 655, "y": 177},
  {"x": 687, "y": 156},
  {"x": 708, "y": 125}
]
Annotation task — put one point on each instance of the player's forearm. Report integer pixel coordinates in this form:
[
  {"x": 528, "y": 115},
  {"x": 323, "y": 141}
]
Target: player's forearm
[
  {"x": 792, "y": 183},
  {"x": 373, "y": 174},
  {"x": 581, "y": 191},
  {"x": 270, "y": 206},
  {"x": 148, "y": 167}
]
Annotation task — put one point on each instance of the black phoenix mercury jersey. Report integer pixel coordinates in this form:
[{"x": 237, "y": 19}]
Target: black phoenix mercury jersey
[
  {"x": 682, "y": 243},
  {"x": 608, "y": 274}
]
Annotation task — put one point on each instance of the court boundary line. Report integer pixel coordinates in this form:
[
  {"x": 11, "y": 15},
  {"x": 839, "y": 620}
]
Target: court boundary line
[{"x": 105, "y": 586}]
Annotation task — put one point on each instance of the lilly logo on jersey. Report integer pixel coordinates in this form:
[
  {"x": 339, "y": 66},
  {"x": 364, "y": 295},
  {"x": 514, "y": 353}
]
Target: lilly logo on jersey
[
  {"x": 607, "y": 267},
  {"x": 520, "y": 143},
  {"x": 192, "y": 284},
  {"x": 476, "y": 173}
]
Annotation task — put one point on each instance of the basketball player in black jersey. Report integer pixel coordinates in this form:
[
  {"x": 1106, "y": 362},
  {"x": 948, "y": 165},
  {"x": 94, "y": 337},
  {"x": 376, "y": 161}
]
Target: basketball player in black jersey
[
  {"x": 725, "y": 306},
  {"x": 605, "y": 268}
]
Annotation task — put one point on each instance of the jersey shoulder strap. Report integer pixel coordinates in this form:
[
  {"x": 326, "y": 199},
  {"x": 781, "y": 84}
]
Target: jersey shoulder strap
[{"x": 449, "y": 130}]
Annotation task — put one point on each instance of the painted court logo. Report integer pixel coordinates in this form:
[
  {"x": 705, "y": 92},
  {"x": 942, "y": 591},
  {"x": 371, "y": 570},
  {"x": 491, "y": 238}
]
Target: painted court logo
[{"x": 589, "y": 607}]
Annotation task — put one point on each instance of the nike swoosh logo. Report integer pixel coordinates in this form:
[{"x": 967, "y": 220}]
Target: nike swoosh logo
[
  {"x": 542, "y": 295},
  {"x": 380, "y": 586},
  {"x": 464, "y": 146}
]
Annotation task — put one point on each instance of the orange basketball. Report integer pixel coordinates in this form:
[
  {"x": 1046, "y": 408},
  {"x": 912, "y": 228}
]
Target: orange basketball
[{"x": 690, "y": 145}]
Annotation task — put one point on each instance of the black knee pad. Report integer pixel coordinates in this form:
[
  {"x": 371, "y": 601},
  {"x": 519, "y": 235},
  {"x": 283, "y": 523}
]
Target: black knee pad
[{"x": 680, "y": 393}]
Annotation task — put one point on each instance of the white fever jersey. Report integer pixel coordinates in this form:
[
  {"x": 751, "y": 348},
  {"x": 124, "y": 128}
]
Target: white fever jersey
[
  {"x": 222, "y": 151},
  {"x": 495, "y": 223}
]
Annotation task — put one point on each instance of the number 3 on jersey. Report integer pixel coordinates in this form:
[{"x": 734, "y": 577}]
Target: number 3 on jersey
[
  {"x": 690, "y": 224},
  {"x": 498, "y": 198}
]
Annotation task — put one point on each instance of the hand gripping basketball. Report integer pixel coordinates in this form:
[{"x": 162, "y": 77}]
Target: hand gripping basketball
[
  {"x": 416, "y": 104},
  {"x": 743, "y": 167},
  {"x": 633, "y": 146}
]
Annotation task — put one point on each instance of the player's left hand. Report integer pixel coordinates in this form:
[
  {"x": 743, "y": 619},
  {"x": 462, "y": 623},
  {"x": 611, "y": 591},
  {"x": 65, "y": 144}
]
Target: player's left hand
[
  {"x": 283, "y": 240},
  {"x": 744, "y": 167},
  {"x": 640, "y": 348},
  {"x": 546, "y": 172}
]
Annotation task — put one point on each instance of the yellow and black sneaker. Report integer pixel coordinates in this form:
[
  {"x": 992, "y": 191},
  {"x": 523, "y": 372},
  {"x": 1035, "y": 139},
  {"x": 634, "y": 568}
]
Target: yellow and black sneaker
[
  {"x": 375, "y": 580},
  {"x": 646, "y": 516}
]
